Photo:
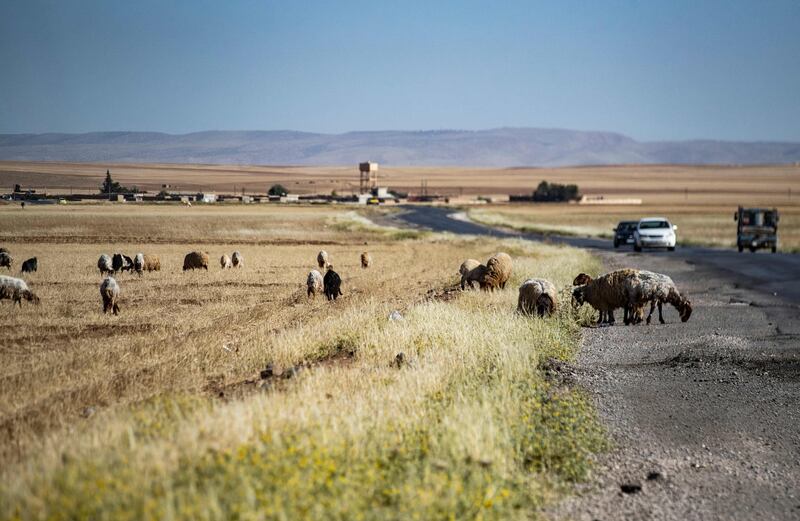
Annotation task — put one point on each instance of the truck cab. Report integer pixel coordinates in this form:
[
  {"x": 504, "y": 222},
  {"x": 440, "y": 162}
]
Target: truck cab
[{"x": 756, "y": 228}]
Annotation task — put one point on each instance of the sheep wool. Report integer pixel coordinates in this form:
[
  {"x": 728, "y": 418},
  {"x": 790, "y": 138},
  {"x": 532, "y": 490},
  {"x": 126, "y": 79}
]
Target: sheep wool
[
  {"x": 195, "y": 260},
  {"x": 237, "y": 260},
  {"x": 322, "y": 259},
  {"x": 498, "y": 271},
  {"x": 109, "y": 292},
  {"x": 655, "y": 288},
  {"x": 314, "y": 283},
  {"x": 606, "y": 293},
  {"x": 465, "y": 269},
  {"x": 104, "y": 264},
  {"x": 225, "y": 262},
  {"x": 138, "y": 263},
  {"x": 152, "y": 262},
  {"x": 16, "y": 290},
  {"x": 537, "y": 296}
]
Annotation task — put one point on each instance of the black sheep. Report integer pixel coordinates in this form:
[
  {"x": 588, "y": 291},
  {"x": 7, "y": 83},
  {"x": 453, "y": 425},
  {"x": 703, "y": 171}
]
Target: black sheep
[
  {"x": 332, "y": 283},
  {"x": 117, "y": 262},
  {"x": 30, "y": 265}
]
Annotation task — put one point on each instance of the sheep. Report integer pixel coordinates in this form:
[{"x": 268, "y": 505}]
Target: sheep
[
  {"x": 366, "y": 260},
  {"x": 138, "y": 263},
  {"x": 109, "y": 291},
  {"x": 195, "y": 260},
  {"x": 476, "y": 274},
  {"x": 15, "y": 290},
  {"x": 314, "y": 283},
  {"x": 537, "y": 296},
  {"x": 6, "y": 260},
  {"x": 498, "y": 271},
  {"x": 237, "y": 260},
  {"x": 466, "y": 267},
  {"x": 4, "y": 250},
  {"x": 332, "y": 283},
  {"x": 120, "y": 262},
  {"x": 151, "y": 262},
  {"x": 225, "y": 262},
  {"x": 606, "y": 293},
  {"x": 104, "y": 264},
  {"x": 30, "y": 265},
  {"x": 128, "y": 263},
  {"x": 655, "y": 288},
  {"x": 322, "y": 259},
  {"x": 580, "y": 280}
]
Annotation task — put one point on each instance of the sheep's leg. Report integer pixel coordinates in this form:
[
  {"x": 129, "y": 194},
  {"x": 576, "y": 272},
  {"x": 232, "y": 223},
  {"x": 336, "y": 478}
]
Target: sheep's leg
[
  {"x": 660, "y": 316},
  {"x": 610, "y": 317},
  {"x": 652, "y": 308},
  {"x": 627, "y": 318}
]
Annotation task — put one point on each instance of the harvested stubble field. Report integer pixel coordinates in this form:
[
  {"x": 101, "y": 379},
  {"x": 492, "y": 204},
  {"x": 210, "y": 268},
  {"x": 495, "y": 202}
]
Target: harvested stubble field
[
  {"x": 161, "y": 412},
  {"x": 698, "y": 224}
]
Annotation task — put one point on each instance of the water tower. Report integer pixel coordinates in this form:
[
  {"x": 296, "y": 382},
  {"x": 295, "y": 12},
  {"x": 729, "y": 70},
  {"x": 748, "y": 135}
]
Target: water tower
[{"x": 369, "y": 177}]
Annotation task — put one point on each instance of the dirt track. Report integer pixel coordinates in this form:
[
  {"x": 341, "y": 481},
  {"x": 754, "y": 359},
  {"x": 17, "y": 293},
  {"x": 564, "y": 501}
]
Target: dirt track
[{"x": 708, "y": 409}]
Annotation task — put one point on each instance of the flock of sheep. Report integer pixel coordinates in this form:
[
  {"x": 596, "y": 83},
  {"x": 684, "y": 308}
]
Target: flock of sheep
[{"x": 628, "y": 288}]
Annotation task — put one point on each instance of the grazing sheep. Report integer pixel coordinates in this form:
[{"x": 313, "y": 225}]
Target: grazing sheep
[
  {"x": 655, "y": 288},
  {"x": 195, "y": 260},
  {"x": 109, "y": 291},
  {"x": 104, "y": 264},
  {"x": 138, "y": 263},
  {"x": 537, "y": 296},
  {"x": 6, "y": 260},
  {"x": 120, "y": 262},
  {"x": 128, "y": 263},
  {"x": 606, "y": 293},
  {"x": 4, "y": 250},
  {"x": 16, "y": 290},
  {"x": 476, "y": 274},
  {"x": 581, "y": 279},
  {"x": 315, "y": 283},
  {"x": 332, "y": 283},
  {"x": 498, "y": 271},
  {"x": 237, "y": 260},
  {"x": 152, "y": 262},
  {"x": 30, "y": 265},
  {"x": 322, "y": 259},
  {"x": 225, "y": 262},
  {"x": 366, "y": 260},
  {"x": 466, "y": 267}
]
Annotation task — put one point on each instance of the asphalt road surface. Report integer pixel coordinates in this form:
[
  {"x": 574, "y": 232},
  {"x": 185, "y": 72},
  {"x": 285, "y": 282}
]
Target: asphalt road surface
[{"x": 704, "y": 415}]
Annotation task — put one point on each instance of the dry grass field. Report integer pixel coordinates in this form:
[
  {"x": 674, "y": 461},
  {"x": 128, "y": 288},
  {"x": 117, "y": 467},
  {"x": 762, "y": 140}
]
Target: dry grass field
[
  {"x": 655, "y": 184},
  {"x": 699, "y": 224},
  {"x": 162, "y": 411}
]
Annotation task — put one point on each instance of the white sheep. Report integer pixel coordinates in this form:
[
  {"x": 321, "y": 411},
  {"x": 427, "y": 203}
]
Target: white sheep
[
  {"x": 466, "y": 267},
  {"x": 237, "y": 260},
  {"x": 322, "y": 259},
  {"x": 655, "y": 288},
  {"x": 314, "y": 282},
  {"x": 537, "y": 296},
  {"x": 16, "y": 290},
  {"x": 104, "y": 264},
  {"x": 225, "y": 262},
  {"x": 138, "y": 263},
  {"x": 109, "y": 291}
]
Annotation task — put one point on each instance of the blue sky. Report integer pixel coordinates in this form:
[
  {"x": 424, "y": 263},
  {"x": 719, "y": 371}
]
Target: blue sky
[{"x": 651, "y": 70}]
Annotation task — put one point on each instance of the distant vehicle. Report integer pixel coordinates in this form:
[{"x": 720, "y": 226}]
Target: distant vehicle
[
  {"x": 623, "y": 233},
  {"x": 654, "y": 232},
  {"x": 756, "y": 228}
]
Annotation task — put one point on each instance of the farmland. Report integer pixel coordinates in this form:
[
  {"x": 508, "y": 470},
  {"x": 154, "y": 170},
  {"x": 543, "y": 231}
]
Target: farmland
[{"x": 230, "y": 394}]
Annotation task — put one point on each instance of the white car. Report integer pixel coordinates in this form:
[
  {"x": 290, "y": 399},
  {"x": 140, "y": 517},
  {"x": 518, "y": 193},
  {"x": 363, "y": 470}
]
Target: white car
[{"x": 654, "y": 232}]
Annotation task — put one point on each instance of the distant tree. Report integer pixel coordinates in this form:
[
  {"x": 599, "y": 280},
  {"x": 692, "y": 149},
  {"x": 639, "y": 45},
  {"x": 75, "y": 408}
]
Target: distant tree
[
  {"x": 334, "y": 193},
  {"x": 277, "y": 190},
  {"x": 17, "y": 188},
  {"x": 112, "y": 187},
  {"x": 554, "y": 192},
  {"x": 163, "y": 194}
]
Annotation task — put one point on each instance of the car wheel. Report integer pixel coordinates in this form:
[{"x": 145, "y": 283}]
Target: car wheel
[
  {"x": 671, "y": 248},
  {"x": 616, "y": 244},
  {"x": 774, "y": 249},
  {"x": 636, "y": 247},
  {"x": 752, "y": 249},
  {"x": 741, "y": 248}
]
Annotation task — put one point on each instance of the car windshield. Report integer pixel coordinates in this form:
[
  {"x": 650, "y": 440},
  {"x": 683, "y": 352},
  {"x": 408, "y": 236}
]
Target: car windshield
[{"x": 651, "y": 225}]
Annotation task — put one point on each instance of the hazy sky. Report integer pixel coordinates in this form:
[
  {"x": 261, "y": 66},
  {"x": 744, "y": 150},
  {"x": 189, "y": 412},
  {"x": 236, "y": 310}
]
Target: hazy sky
[{"x": 652, "y": 70}]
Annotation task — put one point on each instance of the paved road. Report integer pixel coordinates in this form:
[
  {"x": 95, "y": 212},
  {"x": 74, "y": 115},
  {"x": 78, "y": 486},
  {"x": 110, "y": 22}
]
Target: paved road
[
  {"x": 709, "y": 409},
  {"x": 763, "y": 272}
]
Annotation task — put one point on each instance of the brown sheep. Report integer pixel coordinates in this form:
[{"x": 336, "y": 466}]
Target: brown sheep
[
  {"x": 537, "y": 296},
  {"x": 466, "y": 267},
  {"x": 225, "y": 262},
  {"x": 151, "y": 262},
  {"x": 195, "y": 260},
  {"x": 322, "y": 259},
  {"x": 366, "y": 260},
  {"x": 476, "y": 274},
  {"x": 606, "y": 293},
  {"x": 498, "y": 271}
]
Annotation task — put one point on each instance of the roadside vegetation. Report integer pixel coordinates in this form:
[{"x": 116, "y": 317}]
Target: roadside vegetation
[
  {"x": 706, "y": 225},
  {"x": 164, "y": 412}
]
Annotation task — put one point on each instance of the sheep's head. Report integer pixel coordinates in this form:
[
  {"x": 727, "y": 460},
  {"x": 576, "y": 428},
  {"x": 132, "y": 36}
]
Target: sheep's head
[
  {"x": 685, "y": 309},
  {"x": 581, "y": 279},
  {"x": 30, "y": 296},
  {"x": 579, "y": 296}
]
